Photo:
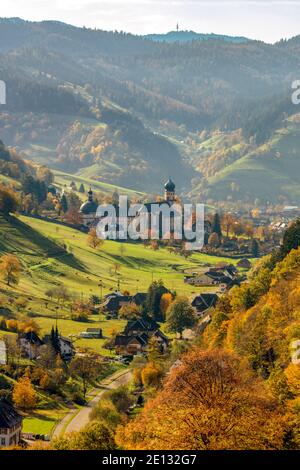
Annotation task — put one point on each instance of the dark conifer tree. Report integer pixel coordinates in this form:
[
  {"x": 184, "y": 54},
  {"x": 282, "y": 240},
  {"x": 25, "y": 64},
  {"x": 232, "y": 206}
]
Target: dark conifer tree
[
  {"x": 216, "y": 225},
  {"x": 64, "y": 203}
]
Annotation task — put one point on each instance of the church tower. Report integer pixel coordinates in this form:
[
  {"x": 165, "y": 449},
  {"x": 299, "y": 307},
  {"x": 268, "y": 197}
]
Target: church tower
[{"x": 169, "y": 190}]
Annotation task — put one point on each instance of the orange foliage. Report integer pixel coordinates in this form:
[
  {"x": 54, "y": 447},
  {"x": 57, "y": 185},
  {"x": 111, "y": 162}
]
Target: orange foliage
[{"x": 211, "y": 401}]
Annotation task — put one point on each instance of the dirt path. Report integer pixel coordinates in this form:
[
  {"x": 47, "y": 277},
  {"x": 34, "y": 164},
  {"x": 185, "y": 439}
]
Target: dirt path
[{"x": 76, "y": 420}]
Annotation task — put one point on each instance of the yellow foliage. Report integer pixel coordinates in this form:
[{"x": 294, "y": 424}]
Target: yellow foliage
[{"x": 24, "y": 395}]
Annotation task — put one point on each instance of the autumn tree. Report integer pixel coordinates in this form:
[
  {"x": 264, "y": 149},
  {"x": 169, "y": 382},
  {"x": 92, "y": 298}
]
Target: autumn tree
[
  {"x": 73, "y": 217},
  {"x": 106, "y": 412},
  {"x": 10, "y": 269},
  {"x": 180, "y": 315},
  {"x": 209, "y": 402},
  {"x": 86, "y": 369},
  {"x": 44, "y": 174},
  {"x": 93, "y": 240},
  {"x": 291, "y": 239},
  {"x": 130, "y": 312},
  {"x": 95, "y": 436},
  {"x": 151, "y": 375},
  {"x": 24, "y": 395},
  {"x": 214, "y": 240},
  {"x": 8, "y": 200},
  {"x": 227, "y": 223},
  {"x": 165, "y": 302}
]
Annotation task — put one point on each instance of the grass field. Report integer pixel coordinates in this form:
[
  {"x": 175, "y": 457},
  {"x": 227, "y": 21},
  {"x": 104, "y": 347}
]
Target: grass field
[
  {"x": 62, "y": 179},
  {"x": 272, "y": 169},
  {"x": 39, "y": 246},
  {"x": 53, "y": 254}
]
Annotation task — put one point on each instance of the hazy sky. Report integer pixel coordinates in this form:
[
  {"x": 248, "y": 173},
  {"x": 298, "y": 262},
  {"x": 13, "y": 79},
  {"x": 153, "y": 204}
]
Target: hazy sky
[{"x": 268, "y": 20}]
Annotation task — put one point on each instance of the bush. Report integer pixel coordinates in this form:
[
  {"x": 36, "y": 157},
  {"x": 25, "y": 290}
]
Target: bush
[{"x": 80, "y": 316}]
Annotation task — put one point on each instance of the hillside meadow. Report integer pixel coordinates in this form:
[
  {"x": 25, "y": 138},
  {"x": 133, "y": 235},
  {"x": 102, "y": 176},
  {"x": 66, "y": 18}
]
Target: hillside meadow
[{"x": 54, "y": 255}]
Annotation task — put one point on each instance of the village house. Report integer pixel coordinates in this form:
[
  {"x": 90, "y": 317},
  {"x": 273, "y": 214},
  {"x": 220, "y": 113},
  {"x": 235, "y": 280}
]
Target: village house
[
  {"x": 227, "y": 276},
  {"x": 204, "y": 302},
  {"x": 136, "y": 336},
  {"x": 10, "y": 424},
  {"x": 113, "y": 302},
  {"x": 203, "y": 279},
  {"x": 130, "y": 345},
  {"x": 244, "y": 263},
  {"x": 30, "y": 344},
  {"x": 92, "y": 333},
  {"x": 66, "y": 346},
  {"x": 3, "y": 353},
  {"x": 142, "y": 325}
]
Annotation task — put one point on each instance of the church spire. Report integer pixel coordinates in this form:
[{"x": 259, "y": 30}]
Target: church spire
[{"x": 90, "y": 194}]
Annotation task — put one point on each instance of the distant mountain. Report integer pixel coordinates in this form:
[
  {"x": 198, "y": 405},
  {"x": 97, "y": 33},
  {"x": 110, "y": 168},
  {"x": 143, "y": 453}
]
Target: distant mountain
[
  {"x": 129, "y": 111},
  {"x": 186, "y": 36}
]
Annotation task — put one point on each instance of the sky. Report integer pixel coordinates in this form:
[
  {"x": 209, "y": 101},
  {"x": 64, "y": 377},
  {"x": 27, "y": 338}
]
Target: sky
[{"x": 267, "y": 20}]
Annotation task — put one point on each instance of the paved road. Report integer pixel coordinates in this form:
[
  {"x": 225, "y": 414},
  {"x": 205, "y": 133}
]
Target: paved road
[{"x": 76, "y": 420}]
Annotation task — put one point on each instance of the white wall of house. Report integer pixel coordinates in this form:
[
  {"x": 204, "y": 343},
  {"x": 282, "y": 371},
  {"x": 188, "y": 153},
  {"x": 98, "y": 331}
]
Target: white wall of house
[
  {"x": 10, "y": 436},
  {"x": 65, "y": 347},
  {"x": 29, "y": 349}
]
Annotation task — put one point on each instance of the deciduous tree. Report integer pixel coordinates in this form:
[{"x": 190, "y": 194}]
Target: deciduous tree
[
  {"x": 180, "y": 315},
  {"x": 10, "y": 269},
  {"x": 24, "y": 395}
]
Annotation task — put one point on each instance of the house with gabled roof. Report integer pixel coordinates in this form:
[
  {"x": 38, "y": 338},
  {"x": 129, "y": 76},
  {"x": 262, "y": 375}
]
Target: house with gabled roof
[
  {"x": 30, "y": 344},
  {"x": 66, "y": 346},
  {"x": 204, "y": 302},
  {"x": 114, "y": 302},
  {"x": 136, "y": 335},
  {"x": 141, "y": 325},
  {"x": 10, "y": 424},
  {"x": 3, "y": 353}
]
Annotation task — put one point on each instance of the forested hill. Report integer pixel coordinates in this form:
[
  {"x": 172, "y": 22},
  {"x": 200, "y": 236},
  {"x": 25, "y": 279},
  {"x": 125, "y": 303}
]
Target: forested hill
[
  {"x": 192, "y": 83},
  {"x": 117, "y": 106},
  {"x": 186, "y": 36},
  {"x": 239, "y": 387}
]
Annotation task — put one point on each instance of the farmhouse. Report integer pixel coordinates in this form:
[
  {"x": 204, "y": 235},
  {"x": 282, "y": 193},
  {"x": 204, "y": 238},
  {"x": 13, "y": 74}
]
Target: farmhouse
[
  {"x": 92, "y": 333},
  {"x": 10, "y": 424},
  {"x": 136, "y": 336},
  {"x": 204, "y": 302},
  {"x": 115, "y": 301},
  {"x": 244, "y": 263},
  {"x": 227, "y": 276},
  {"x": 66, "y": 346},
  {"x": 142, "y": 325},
  {"x": 30, "y": 344},
  {"x": 201, "y": 280},
  {"x": 3, "y": 353}
]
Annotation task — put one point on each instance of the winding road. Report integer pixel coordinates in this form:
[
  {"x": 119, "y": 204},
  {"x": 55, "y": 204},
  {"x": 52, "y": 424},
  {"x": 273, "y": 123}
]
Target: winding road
[{"x": 76, "y": 420}]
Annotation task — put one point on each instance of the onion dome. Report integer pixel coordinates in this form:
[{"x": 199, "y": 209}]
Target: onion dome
[
  {"x": 170, "y": 186},
  {"x": 90, "y": 206}
]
